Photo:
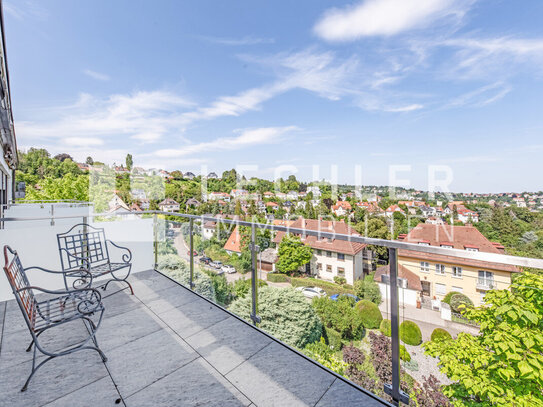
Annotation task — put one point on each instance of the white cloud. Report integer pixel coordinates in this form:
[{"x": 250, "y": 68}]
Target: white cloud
[
  {"x": 385, "y": 17},
  {"x": 247, "y": 40},
  {"x": 96, "y": 75},
  {"x": 482, "y": 96},
  {"x": 247, "y": 138},
  {"x": 82, "y": 141}
]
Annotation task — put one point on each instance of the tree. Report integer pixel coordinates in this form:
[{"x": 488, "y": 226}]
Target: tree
[
  {"x": 367, "y": 289},
  {"x": 129, "y": 162},
  {"x": 503, "y": 364},
  {"x": 63, "y": 156},
  {"x": 89, "y": 161},
  {"x": 293, "y": 254},
  {"x": 285, "y": 314}
]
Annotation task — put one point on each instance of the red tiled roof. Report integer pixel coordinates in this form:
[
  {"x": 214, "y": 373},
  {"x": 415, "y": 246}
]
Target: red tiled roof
[
  {"x": 335, "y": 245},
  {"x": 413, "y": 281},
  {"x": 456, "y": 236},
  {"x": 233, "y": 243}
]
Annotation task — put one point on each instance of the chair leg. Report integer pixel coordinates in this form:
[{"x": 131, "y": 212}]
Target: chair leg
[
  {"x": 35, "y": 369},
  {"x": 32, "y": 343}
]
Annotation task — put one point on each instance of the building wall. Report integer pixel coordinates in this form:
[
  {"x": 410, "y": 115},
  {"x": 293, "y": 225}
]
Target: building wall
[
  {"x": 405, "y": 295},
  {"x": 352, "y": 266},
  {"x": 6, "y": 183},
  {"x": 468, "y": 281}
]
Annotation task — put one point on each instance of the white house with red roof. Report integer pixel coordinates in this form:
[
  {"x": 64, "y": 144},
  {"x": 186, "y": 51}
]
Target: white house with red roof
[{"x": 341, "y": 208}]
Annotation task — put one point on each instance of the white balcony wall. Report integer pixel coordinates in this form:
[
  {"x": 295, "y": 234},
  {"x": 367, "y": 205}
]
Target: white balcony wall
[{"x": 36, "y": 243}]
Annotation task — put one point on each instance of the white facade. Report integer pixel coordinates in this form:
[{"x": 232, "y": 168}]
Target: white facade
[{"x": 327, "y": 265}]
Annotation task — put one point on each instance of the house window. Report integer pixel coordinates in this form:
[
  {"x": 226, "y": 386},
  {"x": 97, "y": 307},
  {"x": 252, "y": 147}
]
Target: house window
[
  {"x": 440, "y": 269},
  {"x": 446, "y": 246},
  {"x": 441, "y": 289},
  {"x": 457, "y": 289},
  {"x": 328, "y": 268},
  {"x": 341, "y": 257},
  {"x": 328, "y": 254},
  {"x": 341, "y": 271},
  {"x": 319, "y": 266},
  {"x": 457, "y": 272},
  {"x": 472, "y": 249},
  {"x": 319, "y": 252},
  {"x": 486, "y": 279},
  {"x": 424, "y": 267}
]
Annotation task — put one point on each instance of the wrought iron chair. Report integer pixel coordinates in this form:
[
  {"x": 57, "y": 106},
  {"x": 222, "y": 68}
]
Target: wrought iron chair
[
  {"x": 84, "y": 249},
  {"x": 59, "y": 308}
]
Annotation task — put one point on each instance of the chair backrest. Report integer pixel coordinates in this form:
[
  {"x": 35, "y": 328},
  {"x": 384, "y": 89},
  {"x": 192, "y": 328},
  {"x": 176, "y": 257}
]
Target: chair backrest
[
  {"x": 17, "y": 279},
  {"x": 82, "y": 241}
]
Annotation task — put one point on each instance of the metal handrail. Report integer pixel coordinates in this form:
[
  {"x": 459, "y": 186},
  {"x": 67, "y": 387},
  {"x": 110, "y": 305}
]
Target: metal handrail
[{"x": 390, "y": 244}]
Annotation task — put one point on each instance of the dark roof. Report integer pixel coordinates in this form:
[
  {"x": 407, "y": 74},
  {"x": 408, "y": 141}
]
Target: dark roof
[{"x": 334, "y": 245}]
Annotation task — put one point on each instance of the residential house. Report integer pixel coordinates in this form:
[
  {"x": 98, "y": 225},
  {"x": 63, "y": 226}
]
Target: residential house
[
  {"x": 239, "y": 193},
  {"x": 116, "y": 201},
  {"x": 341, "y": 208},
  {"x": 272, "y": 205},
  {"x": 169, "y": 205},
  {"x": 216, "y": 196},
  {"x": 212, "y": 175},
  {"x": 292, "y": 195},
  {"x": 233, "y": 244},
  {"x": 192, "y": 203},
  {"x": 333, "y": 257},
  {"x": 389, "y": 212},
  {"x": 268, "y": 195},
  {"x": 266, "y": 260},
  {"x": 315, "y": 191},
  {"x": 467, "y": 216},
  {"x": 189, "y": 175},
  {"x": 145, "y": 204},
  {"x": 280, "y": 195},
  {"x": 440, "y": 274},
  {"x": 135, "y": 208}
]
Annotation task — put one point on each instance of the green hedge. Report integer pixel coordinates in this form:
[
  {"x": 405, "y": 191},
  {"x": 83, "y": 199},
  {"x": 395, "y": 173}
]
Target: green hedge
[
  {"x": 439, "y": 334},
  {"x": 370, "y": 314},
  {"x": 329, "y": 287},
  {"x": 410, "y": 333},
  {"x": 385, "y": 327},
  {"x": 333, "y": 339},
  {"x": 277, "y": 278}
]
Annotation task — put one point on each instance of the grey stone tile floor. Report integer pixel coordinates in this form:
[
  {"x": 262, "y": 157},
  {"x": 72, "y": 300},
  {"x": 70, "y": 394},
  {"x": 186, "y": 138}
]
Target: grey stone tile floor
[{"x": 166, "y": 347}]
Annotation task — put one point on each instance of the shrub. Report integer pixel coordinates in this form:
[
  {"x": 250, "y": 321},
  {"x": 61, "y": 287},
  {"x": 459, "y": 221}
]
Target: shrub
[
  {"x": 385, "y": 327},
  {"x": 339, "y": 315},
  {"x": 404, "y": 354},
  {"x": 177, "y": 269},
  {"x": 328, "y": 286},
  {"x": 277, "y": 278},
  {"x": 370, "y": 314},
  {"x": 333, "y": 338},
  {"x": 410, "y": 333},
  {"x": 322, "y": 353},
  {"x": 340, "y": 280},
  {"x": 447, "y": 298},
  {"x": 285, "y": 314},
  {"x": 459, "y": 302},
  {"x": 241, "y": 287},
  {"x": 368, "y": 289},
  {"x": 439, "y": 334}
]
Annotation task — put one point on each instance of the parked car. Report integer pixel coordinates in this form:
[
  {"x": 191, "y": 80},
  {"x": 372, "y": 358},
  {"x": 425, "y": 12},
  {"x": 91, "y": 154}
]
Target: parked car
[
  {"x": 336, "y": 297},
  {"x": 204, "y": 259},
  {"x": 227, "y": 268},
  {"x": 311, "y": 292},
  {"x": 216, "y": 264},
  {"x": 195, "y": 253}
]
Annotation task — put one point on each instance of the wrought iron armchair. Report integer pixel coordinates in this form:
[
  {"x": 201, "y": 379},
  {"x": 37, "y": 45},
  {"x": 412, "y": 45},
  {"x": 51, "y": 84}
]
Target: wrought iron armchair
[
  {"x": 59, "y": 308},
  {"x": 84, "y": 249}
]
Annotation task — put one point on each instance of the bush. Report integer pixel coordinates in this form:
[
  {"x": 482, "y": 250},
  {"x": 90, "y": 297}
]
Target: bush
[
  {"x": 459, "y": 302},
  {"x": 285, "y": 314},
  {"x": 404, "y": 354},
  {"x": 329, "y": 287},
  {"x": 370, "y": 314},
  {"x": 410, "y": 333},
  {"x": 277, "y": 278},
  {"x": 333, "y": 339},
  {"x": 177, "y": 269},
  {"x": 439, "y": 334},
  {"x": 368, "y": 289},
  {"x": 340, "y": 280},
  {"x": 241, "y": 287},
  {"x": 340, "y": 316},
  {"x": 322, "y": 353},
  {"x": 385, "y": 327},
  {"x": 447, "y": 298}
]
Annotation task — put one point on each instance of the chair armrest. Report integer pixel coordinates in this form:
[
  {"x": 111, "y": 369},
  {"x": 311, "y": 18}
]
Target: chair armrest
[
  {"x": 90, "y": 298},
  {"x": 127, "y": 257},
  {"x": 81, "y": 273}
]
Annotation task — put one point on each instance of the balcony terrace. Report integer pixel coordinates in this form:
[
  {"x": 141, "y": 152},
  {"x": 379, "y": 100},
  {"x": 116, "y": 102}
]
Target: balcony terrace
[{"x": 166, "y": 346}]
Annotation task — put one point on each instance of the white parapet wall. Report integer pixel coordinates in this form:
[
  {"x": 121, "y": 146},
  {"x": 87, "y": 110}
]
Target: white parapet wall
[
  {"x": 405, "y": 295},
  {"x": 36, "y": 243}
]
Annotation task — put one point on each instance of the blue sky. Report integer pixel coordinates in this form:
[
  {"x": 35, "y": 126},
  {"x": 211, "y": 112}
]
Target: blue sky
[{"x": 279, "y": 87}]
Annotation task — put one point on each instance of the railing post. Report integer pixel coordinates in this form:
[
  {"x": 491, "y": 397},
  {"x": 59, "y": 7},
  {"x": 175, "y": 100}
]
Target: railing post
[
  {"x": 191, "y": 256},
  {"x": 254, "y": 278},
  {"x": 155, "y": 239},
  {"x": 393, "y": 389}
]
